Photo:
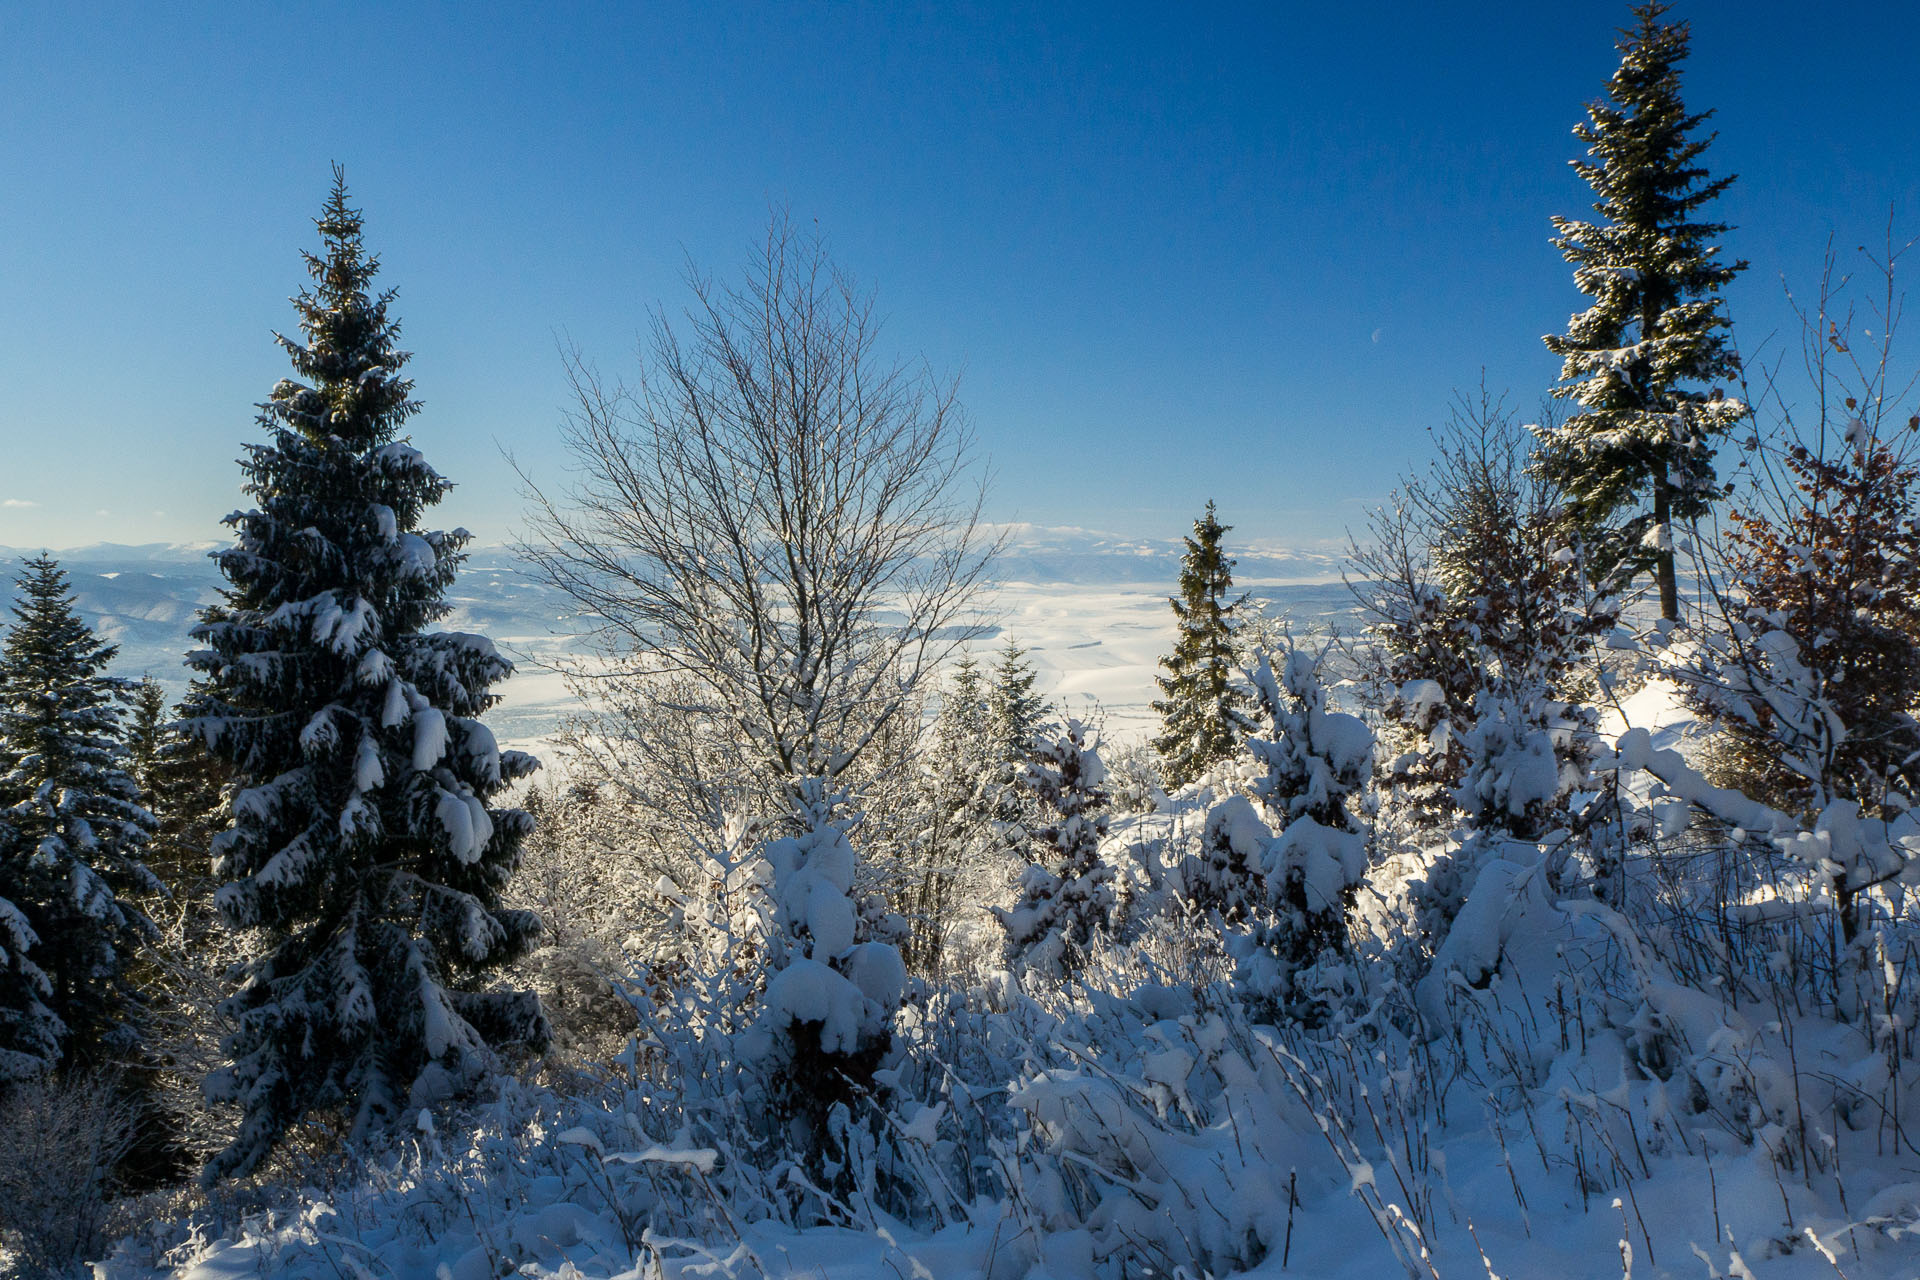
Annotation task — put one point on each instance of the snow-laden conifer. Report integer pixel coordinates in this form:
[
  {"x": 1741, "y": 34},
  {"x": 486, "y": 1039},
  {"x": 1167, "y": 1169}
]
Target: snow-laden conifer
[
  {"x": 1014, "y": 710},
  {"x": 1201, "y": 717},
  {"x": 1313, "y": 759},
  {"x": 835, "y": 980},
  {"x": 72, "y": 837},
  {"x": 970, "y": 813},
  {"x": 1066, "y": 895},
  {"x": 1633, "y": 362},
  {"x": 363, "y": 847}
]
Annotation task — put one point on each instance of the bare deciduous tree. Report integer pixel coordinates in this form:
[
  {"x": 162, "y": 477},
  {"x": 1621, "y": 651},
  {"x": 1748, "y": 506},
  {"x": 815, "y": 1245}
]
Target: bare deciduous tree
[{"x": 772, "y": 510}]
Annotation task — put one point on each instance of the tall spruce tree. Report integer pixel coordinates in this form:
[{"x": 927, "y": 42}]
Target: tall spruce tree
[
  {"x": 1634, "y": 362},
  {"x": 72, "y": 835},
  {"x": 1202, "y": 719},
  {"x": 363, "y": 845}
]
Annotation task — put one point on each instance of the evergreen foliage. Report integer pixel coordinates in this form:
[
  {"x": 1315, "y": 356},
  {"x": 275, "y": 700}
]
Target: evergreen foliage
[
  {"x": 1642, "y": 436},
  {"x": 1014, "y": 717},
  {"x": 835, "y": 982},
  {"x": 1201, "y": 716},
  {"x": 1067, "y": 899},
  {"x": 969, "y": 814},
  {"x": 363, "y": 847},
  {"x": 1482, "y": 609},
  {"x": 1313, "y": 760},
  {"x": 72, "y": 837},
  {"x": 145, "y": 736},
  {"x": 1014, "y": 710},
  {"x": 187, "y": 789}
]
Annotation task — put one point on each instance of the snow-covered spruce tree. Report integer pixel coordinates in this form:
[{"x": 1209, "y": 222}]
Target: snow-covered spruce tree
[
  {"x": 825, "y": 1023},
  {"x": 1201, "y": 717},
  {"x": 1313, "y": 759},
  {"x": 1224, "y": 877},
  {"x": 966, "y": 816},
  {"x": 1066, "y": 895},
  {"x": 1642, "y": 436},
  {"x": 144, "y": 736},
  {"x": 1015, "y": 716},
  {"x": 363, "y": 848},
  {"x": 1484, "y": 617},
  {"x": 1014, "y": 711},
  {"x": 73, "y": 835}
]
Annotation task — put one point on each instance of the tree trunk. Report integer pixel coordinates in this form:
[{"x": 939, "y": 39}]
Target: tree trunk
[{"x": 1663, "y": 571}]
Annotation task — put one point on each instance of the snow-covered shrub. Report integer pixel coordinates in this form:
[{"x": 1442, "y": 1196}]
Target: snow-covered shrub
[
  {"x": 1816, "y": 670},
  {"x": 1134, "y": 779},
  {"x": 1526, "y": 759},
  {"x": 600, "y": 912},
  {"x": 1225, "y": 874},
  {"x": 1810, "y": 659},
  {"x": 1861, "y": 866},
  {"x": 1066, "y": 901},
  {"x": 825, "y": 1020}
]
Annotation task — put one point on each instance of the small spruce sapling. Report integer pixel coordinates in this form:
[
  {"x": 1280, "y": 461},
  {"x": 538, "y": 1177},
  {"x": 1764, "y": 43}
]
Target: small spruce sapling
[
  {"x": 826, "y": 1019},
  {"x": 1313, "y": 759},
  {"x": 1066, "y": 896}
]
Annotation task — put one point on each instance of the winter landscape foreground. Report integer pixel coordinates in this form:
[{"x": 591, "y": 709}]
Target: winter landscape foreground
[
  {"x": 1613, "y": 1093},
  {"x": 765, "y": 865}
]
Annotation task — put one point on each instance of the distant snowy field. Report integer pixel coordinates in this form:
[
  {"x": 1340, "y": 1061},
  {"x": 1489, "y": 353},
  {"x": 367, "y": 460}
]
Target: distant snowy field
[{"x": 1092, "y": 608}]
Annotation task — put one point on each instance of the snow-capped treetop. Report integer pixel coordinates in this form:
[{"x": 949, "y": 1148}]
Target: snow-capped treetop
[{"x": 1634, "y": 362}]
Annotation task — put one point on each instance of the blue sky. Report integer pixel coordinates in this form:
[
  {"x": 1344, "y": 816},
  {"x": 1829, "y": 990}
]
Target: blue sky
[{"x": 1173, "y": 252}]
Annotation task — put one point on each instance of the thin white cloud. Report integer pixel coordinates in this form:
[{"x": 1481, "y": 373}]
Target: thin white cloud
[{"x": 18, "y": 502}]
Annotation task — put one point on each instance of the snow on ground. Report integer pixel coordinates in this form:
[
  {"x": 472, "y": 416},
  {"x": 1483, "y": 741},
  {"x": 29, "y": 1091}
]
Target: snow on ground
[
  {"x": 1657, "y": 705},
  {"x": 1535, "y": 1142}
]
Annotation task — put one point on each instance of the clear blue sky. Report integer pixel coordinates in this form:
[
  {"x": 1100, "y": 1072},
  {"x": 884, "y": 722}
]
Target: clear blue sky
[{"x": 1174, "y": 252}]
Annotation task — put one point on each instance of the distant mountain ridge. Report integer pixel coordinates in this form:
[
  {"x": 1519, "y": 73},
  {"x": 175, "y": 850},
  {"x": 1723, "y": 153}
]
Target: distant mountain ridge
[
  {"x": 1091, "y": 605},
  {"x": 1043, "y": 554}
]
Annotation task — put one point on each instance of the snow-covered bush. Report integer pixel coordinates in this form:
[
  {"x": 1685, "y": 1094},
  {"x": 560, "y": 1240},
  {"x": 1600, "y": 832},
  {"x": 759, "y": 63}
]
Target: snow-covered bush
[
  {"x": 1226, "y": 874},
  {"x": 824, "y": 1025}
]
